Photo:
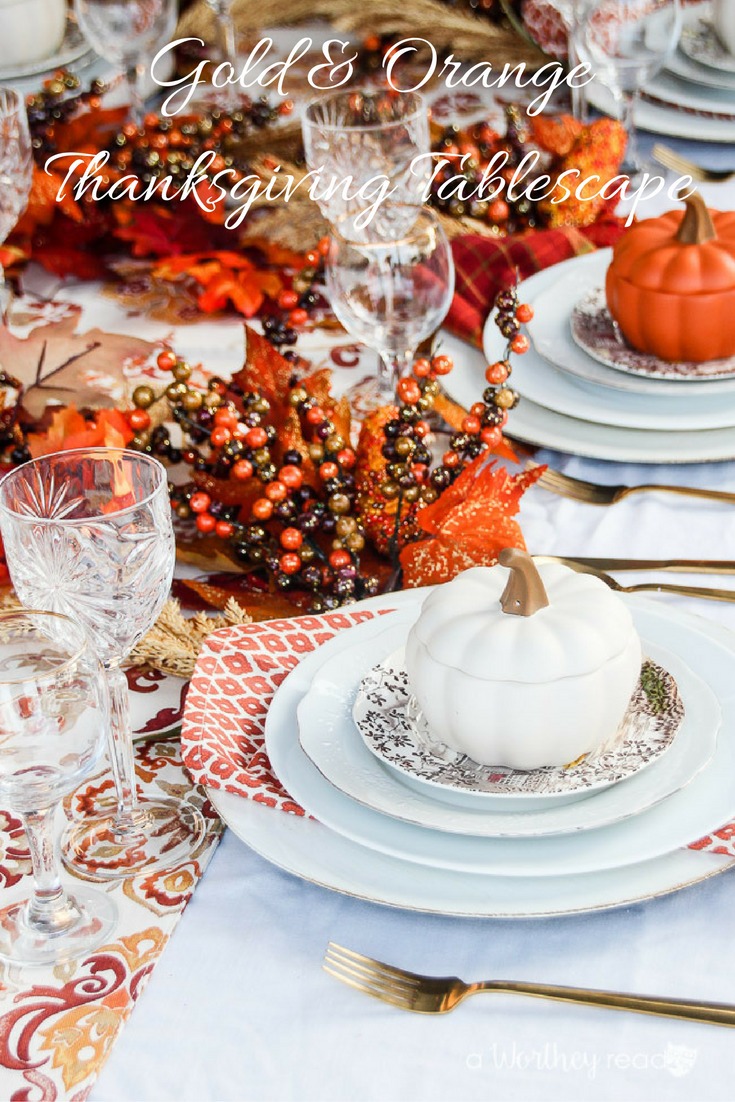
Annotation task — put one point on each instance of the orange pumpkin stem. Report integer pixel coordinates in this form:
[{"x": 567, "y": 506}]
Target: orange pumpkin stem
[
  {"x": 696, "y": 226},
  {"x": 525, "y": 593}
]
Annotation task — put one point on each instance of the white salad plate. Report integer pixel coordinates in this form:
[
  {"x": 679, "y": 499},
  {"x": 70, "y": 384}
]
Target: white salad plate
[
  {"x": 596, "y": 333},
  {"x": 702, "y": 806},
  {"x": 554, "y": 293},
  {"x": 700, "y": 43},
  {"x": 305, "y": 848},
  {"x": 331, "y": 741},
  {"x": 395, "y": 731}
]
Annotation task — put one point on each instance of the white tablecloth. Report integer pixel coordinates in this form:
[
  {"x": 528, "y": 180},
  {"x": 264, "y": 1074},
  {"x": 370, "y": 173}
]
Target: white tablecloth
[{"x": 239, "y": 1008}]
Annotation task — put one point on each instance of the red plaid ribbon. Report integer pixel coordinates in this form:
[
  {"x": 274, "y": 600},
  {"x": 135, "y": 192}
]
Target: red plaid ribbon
[{"x": 486, "y": 265}]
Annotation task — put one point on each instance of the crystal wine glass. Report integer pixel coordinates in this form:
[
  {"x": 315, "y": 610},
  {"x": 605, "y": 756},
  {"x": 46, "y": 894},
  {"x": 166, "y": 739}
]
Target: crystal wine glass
[
  {"x": 626, "y": 42},
  {"x": 362, "y": 135},
  {"x": 53, "y": 706},
  {"x": 16, "y": 167},
  {"x": 88, "y": 533},
  {"x": 226, "y": 23},
  {"x": 126, "y": 33},
  {"x": 391, "y": 294}
]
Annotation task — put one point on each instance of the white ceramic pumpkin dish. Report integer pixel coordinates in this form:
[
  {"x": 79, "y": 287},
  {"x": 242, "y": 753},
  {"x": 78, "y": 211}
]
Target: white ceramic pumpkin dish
[
  {"x": 524, "y": 667},
  {"x": 401, "y": 740},
  {"x": 704, "y": 805},
  {"x": 331, "y": 741}
]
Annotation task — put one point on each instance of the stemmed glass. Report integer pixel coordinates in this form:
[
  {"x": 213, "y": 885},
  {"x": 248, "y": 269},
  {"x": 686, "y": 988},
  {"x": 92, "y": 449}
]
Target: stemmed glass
[
  {"x": 16, "y": 167},
  {"x": 88, "y": 533},
  {"x": 226, "y": 23},
  {"x": 360, "y": 136},
  {"x": 391, "y": 294},
  {"x": 125, "y": 33},
  {"x": 52, "y": 722},
  {"x": 626, "y": 42}
]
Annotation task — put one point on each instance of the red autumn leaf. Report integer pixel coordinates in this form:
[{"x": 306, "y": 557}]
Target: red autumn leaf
[
  {"x": 265, "y": 370},
  {"x": 173, "y": 230},
  {"x": 44, "y": 204}
]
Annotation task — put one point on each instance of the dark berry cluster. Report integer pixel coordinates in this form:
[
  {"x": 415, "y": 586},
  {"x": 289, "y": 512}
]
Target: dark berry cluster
[
  {"x": 470, "y": 152},
  {"x": 292, "y": 514},
  {"x": 55, "y": 104},
  {"x": 172, "y": 146}
]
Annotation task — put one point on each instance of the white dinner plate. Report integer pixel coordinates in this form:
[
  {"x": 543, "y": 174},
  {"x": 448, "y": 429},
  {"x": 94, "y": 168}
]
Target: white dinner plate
[
  {"x": 533, "y": 424},
  {"x": 536, "y": 379},
  {"x": 668, "y": 121},
  {"x": 330, "y": 740},
  {"x": 553, "y": 294},
  {"x": 667, "y": 89},
  {"x": 692, "y": 71},
  {"x": 305, "y": 848},
  {"x": 704, "y": 805},
  {"x": 310, "y": 851}
]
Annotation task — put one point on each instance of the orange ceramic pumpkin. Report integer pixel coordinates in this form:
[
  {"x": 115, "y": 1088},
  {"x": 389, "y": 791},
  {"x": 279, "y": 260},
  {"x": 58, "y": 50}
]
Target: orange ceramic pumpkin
[{"x": 671, "y": 284}]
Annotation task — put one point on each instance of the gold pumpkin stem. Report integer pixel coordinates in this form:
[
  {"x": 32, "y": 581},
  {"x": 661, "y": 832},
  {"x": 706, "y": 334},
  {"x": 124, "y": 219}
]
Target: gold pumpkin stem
[
  {"x": 525, "y": 593},
  {"x": 696, "y": 226}
]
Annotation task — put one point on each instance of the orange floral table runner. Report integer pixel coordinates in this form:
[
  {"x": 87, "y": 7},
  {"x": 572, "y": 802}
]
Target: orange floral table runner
[{"x": 57, "y": 1025}]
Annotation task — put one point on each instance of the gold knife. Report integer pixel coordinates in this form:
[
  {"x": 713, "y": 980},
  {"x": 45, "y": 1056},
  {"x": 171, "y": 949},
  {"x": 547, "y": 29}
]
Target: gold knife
[{"x": 683, "y": 566}]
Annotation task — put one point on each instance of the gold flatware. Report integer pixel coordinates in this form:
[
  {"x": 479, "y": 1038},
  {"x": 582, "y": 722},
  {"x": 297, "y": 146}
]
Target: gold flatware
[
  {"x": 440, "y": 994},
  {"x": 593, "y": 493},
  {"x": 673, "y": 160},
  {"x": 679, "y": 566},
  {"x": 641, "y": 587}
]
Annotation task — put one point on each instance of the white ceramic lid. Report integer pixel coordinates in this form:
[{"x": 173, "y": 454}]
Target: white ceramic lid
[{"x": 584, "y": 626}]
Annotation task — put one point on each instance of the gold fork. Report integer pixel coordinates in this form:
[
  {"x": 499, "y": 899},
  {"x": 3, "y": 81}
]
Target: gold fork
[
  {"x": 440, "y": 994},
  {"x": 593, "y": 493},
  {"x": 673, "y": 160},
  {"x": 642, "y": 587}
]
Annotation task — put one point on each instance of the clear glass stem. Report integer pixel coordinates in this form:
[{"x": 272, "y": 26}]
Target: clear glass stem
[
  {"x": 120, "y": 745},
  {"x": 135, "y": 77},
  {"x": 4, "y": 295},
  {"x": 229, "y": 37},
  {"x": 628, "y": 102},
  {"x": 579, "y": 99},
  {"x": 391, "y": 366},
  {"x": 49, "y": 909}
]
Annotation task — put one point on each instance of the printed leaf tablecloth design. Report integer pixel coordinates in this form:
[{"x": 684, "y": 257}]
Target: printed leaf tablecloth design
[{"x": 57, "y": 1025}]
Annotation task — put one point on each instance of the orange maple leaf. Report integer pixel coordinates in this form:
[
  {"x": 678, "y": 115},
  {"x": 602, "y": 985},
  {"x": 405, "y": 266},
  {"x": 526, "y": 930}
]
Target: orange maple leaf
[
  {"x": 468, "y": 525},
  {"x": 69, "y": 429}
]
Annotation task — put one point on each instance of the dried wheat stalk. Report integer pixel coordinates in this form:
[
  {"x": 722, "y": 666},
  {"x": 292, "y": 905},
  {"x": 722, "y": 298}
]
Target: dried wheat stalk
[{"x": 469, "y": 36}]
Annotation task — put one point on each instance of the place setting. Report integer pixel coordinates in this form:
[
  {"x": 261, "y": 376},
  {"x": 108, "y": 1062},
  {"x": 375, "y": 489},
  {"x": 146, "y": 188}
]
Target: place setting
[
  {"x": 607, "y": 370},
  {"x": 343, "y": 738},
  {"x": 675, "y": 78}
]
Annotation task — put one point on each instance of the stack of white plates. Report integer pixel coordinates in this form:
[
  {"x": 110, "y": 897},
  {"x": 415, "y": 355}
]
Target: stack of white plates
[
  {"x": 74, "y": 54},
  {"x": 694, "y": 96},
  {"x": 382, "y": 832},
  {"x": 584, "y": 391}
]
